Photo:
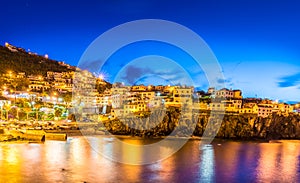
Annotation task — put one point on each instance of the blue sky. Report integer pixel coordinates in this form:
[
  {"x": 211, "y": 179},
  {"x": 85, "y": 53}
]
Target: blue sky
[{"x": 256, "y": 42}]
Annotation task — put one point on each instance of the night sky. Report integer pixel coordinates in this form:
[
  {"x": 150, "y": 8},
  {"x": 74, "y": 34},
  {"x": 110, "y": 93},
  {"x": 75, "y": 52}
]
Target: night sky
[{"x": 257, "y": 42}]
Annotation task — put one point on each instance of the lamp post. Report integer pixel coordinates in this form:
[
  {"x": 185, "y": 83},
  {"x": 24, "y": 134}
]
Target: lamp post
[
  {"x": 36, "y": 112},
  {"x": 54, "y": 98},
  {"x": 4, "y": 92},
  {"x": 17, "y": 109},
  {"x": 1, "y": 105},
  {"x": 10, "y": 74},
  {"x": 15, "y": 99}
]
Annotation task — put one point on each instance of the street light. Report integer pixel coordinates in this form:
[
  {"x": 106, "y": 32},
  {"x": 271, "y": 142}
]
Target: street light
[
  {"x": 101, "y": 77},
  {"x": 60, "y": 100},
  {"x": 12, "y": 92},
  {"x": 18, "y": 113},
  {"x": 36, "y": 111},
  {"x": 1, "y": 105},
  {"x": 10, "y": 74},
  {"x": 54, "y": 98}
]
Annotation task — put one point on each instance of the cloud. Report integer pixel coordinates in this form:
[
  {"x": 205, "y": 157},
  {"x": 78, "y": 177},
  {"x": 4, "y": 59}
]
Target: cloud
[
  {"x": 175, "y": 76},
  {"x": 91, "y": 65},
  {"x": 224, "y": 81},
  {"x": 166, "y": 72},
  {"x": 289, "y": 81},
  {"x": 132, "y": 73}
]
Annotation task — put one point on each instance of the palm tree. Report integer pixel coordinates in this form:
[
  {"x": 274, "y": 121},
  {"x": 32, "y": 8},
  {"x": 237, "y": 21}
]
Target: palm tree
[
  {"x": 15, "y": 84},
  {"x": 67, "y": 98},
  {"x": 58, "y": 112},
  {"x": 7, "y": 107},
  {"x": 37, "y": 106},
  {"x": 44, "y": 94},
  {"x": 27, "y": 110}
]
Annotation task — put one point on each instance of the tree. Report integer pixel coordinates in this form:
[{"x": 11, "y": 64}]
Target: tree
[
  {"x": 21, "y": 84},
  {"x": 14, "y": 84},
  {"x": 37, "y": 107},
  {"x": 72, "y": 117},
  {"x": 6, "y": 107},
  {"x": 58, "y": 112},
  {"x": 50, "y": 116},
  {"x": 27, "y": 110},
  {"x": 67, "y": 97}
]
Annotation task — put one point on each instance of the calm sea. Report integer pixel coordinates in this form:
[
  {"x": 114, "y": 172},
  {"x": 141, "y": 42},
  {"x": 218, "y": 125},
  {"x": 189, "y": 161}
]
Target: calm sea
[{"x": 222, "y": 161}]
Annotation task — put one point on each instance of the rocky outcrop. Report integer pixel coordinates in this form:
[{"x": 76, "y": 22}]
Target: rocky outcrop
[{"x": 229, "y": 126}]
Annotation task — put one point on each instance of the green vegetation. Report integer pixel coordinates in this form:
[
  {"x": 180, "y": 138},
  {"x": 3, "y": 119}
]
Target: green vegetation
[
  {"x": 30, "y": 64},
  {"x": 102, "y": 85}
]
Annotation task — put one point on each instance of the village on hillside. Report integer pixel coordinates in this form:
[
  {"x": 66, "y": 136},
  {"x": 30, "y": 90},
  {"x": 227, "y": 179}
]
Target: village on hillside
[
  {"x": 42, "y": 98},
  {"x": 125, "y": 100}
]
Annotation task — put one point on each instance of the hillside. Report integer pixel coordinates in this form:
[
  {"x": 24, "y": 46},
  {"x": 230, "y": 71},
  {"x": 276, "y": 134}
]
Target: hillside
[{"x": 18, "y": 60}]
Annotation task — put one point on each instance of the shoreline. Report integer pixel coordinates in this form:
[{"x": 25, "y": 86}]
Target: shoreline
[
  {"x": 122, "y": 137},
  {"x": 8, "y": 135},
  {"x": 175, "y": 137},
  {"x": 179, "y": 138}
]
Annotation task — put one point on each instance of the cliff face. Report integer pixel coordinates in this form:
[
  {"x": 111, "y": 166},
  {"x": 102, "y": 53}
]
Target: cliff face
[
  {"x": 253, "y": 127},
  {"x": 241, "y": 126}
]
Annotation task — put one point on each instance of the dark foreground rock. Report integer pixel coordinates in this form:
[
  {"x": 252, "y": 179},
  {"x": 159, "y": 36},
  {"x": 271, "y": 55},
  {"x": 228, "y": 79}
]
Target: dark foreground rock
[{"x": 227, "y": 126}]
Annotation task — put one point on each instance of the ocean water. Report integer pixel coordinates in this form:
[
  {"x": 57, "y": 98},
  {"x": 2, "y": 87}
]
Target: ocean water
[{"x": 80, "y": 160}]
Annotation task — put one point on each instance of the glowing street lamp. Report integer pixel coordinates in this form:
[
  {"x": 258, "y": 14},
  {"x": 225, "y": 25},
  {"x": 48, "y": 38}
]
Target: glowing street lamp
[
  {"x": 13, "y": 93},
  {"x": 60, "y": 100},
  {"x": 1, "y": 105},
  {"x": 5, "y": 92},
  {"x": 10, "y": 74},
  {"x": 101, "y": 77}
]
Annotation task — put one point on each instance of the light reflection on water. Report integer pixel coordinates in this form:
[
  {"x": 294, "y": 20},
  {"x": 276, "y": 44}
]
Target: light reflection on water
[
  {"x": 206, "y": 166},
  {"x": 77, "y": 161}
]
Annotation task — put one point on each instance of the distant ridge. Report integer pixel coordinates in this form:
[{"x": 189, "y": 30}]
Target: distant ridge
[{"x": 17, "y": 60}]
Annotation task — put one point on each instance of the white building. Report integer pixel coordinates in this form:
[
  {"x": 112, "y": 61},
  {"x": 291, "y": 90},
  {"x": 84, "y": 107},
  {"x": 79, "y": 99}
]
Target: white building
[
  {"x": 183, "y": 95},
  {"x": 264, "y": 110},
  {"x": 224, "y": 93}
]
